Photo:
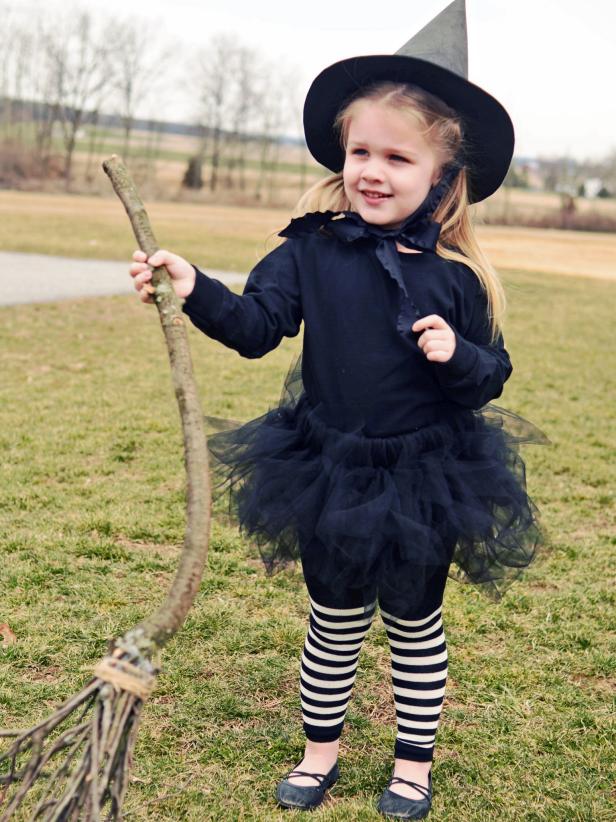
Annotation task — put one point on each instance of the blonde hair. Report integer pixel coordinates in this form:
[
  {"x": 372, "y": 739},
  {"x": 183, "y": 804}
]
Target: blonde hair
[{"x": 442, "y": 127}]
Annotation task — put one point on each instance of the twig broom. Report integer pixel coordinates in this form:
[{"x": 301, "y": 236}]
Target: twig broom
[{"x": 82, "y": 752}]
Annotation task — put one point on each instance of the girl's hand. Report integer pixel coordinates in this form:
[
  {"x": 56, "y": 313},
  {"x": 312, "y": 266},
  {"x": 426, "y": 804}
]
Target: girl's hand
[
  {"x": 181, "y": 272},
  {"x": 438, "y": 342}
]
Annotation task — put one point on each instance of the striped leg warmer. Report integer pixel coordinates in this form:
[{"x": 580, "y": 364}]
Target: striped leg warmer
[
  {"x": 329, "y": 665},
  {"x": 419, "y": 674}
]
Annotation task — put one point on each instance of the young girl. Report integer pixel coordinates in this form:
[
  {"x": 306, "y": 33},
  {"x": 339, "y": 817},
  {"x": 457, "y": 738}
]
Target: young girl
[{"x": 384, "y": 468}]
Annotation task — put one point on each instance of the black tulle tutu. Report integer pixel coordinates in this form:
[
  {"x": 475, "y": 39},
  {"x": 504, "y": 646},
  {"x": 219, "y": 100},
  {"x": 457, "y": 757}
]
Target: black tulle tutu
[{"x": 362, "y": 511}]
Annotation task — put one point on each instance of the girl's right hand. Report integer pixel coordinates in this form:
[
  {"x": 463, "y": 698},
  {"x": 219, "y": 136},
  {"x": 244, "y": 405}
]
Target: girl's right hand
[{"x": 181, "y": 272}]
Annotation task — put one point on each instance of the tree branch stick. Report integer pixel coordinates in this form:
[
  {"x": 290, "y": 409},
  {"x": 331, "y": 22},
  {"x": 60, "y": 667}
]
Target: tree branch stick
[{"x": 156, "y": 629}]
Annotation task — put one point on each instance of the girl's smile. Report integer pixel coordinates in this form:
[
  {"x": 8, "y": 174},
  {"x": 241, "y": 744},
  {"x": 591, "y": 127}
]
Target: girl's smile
[
  {"x": 374, "y": 196},
  {"x": 389, "y": 166}
]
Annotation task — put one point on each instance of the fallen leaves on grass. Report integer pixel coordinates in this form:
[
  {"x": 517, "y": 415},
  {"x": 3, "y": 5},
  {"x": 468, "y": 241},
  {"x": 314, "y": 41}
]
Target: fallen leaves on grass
[{"x": 8, "y": 637}]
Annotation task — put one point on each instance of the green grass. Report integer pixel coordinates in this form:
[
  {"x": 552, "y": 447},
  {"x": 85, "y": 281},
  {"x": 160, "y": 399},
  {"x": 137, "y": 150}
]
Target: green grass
[
  {"x": 92, "y": 227},
  {"x": 92, "y": 516}
]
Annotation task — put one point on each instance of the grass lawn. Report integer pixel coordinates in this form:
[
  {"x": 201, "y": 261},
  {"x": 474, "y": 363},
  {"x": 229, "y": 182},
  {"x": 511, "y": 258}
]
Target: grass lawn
[
  {"x": 92, "y": 516},
  {"x": 221, "y": 237}
]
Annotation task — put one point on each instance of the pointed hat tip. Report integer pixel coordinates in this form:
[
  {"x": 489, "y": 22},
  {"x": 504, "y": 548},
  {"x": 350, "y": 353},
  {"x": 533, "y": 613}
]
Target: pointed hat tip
[{"x": 443, "y": 40}]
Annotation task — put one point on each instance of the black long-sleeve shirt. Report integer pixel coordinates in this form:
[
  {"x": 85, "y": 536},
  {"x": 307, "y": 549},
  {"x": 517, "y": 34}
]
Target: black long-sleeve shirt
[{"x": 358, "y": 367}]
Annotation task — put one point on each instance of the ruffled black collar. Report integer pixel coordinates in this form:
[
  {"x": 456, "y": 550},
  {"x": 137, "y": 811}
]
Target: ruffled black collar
[
  {"x": 349, "y": 226},
  {"x": 419, "y": 232}
]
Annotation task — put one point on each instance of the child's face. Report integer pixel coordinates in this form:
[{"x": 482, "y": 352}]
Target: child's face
[{"x": 389, "y": 167}]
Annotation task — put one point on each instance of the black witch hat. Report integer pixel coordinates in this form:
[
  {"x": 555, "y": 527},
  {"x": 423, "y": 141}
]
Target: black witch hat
[{"x": 435, "y": 59}]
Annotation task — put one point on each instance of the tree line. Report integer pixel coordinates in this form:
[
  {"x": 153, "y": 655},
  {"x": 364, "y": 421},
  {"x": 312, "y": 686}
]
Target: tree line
[
  {"x": 75, "y": 84},
  {"x": 62, "y": 76}
]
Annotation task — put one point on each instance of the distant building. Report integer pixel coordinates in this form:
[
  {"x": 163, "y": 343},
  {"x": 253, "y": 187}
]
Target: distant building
[{"x": 592, "y": 186}]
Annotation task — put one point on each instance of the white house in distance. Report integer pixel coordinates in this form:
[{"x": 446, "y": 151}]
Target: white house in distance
[{"x": 592, "y": 187}]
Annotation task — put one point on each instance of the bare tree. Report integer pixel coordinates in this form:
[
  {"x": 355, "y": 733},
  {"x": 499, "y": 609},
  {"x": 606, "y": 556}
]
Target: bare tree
[
  {"x": 246, "y": 71},
  {"x": 19, "y": 71},
  {"x": 45, "y": 106},
  {"x": 81, "y": 75},
  {"x": 287, "y": 92},
  {"x": 243, "y": 98},
  {"x": 215, "y": 81},
  {"x": 6, "y": 58},
  {"x": 274, "y": 111},
  {"x": 607, "y": 171},
  {"x": 16, "y": 48},
  {"x": 140, "y": 65}
]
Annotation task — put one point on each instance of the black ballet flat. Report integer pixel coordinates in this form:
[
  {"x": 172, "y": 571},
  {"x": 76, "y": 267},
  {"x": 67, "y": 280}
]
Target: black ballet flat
[
  {"x": 395, "y": 806},
  {"x": 305, "y": 797}
]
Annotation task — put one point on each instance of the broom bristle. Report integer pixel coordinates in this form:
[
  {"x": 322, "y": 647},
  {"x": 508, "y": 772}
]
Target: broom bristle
[{"x": 94, "y": 732}]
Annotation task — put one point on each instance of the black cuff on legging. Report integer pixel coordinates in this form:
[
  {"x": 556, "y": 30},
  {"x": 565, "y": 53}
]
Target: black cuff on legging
[
  {"x": 406, "y": 750},
  {"x": 323, "y": 734}
]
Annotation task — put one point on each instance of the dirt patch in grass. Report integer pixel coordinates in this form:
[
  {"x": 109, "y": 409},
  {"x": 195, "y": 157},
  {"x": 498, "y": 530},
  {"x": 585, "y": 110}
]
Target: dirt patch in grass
[
  {"x": 606, "y": 685},
  {"x": 573, "y": 253},
  {"x": 140, "y": 547}
]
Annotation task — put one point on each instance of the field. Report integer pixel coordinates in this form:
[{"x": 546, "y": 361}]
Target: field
[
  {"x": 273, "y": 175},
  {"x": 233, "y": 238},
  {"x": 92, "y": 516}
]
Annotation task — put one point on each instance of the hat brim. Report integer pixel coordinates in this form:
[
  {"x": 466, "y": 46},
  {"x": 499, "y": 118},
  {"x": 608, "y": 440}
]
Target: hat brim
[{"x": 488, "y": 130}]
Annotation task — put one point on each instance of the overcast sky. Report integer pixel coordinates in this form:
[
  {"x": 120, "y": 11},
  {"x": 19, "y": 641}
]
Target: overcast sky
[{"x": 550, "y": 62}]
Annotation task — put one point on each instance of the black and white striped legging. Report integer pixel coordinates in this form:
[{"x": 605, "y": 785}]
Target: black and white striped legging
[{"x": 337, "y": 626}]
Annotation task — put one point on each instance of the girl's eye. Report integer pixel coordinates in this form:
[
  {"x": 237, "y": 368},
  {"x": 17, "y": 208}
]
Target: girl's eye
[
  {"x": 359, "y": 152},
  {"x": 398, "y": 158}
]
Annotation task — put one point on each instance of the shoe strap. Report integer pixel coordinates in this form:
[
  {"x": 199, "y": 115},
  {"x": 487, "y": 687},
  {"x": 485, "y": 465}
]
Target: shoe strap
[
  {"x": 421, "y": 788},
  {"x": 318, "y": 776}
]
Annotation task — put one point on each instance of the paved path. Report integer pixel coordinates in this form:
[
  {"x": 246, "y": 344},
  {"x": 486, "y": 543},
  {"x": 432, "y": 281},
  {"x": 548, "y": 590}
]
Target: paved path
[{"x": 35, "y": 278}]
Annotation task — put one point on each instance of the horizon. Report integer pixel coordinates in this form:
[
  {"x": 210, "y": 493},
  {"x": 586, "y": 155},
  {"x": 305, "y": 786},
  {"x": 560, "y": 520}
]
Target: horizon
[{"x": 557, "y": 39}]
